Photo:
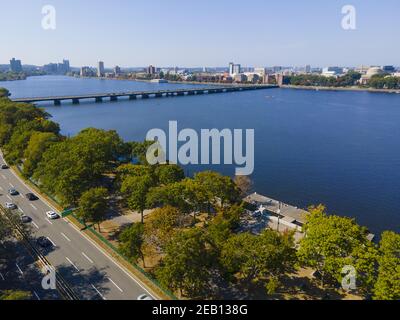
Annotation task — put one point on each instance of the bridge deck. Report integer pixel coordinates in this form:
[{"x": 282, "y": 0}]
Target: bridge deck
[{"x": 215, "y": 89}]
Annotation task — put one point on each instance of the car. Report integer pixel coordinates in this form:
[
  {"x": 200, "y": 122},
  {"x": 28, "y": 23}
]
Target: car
[
  {"x": 25, "y": 219},
  {"x": 144, "y": 297},
  {"x": 44, "y": 242},
  {"x": 11, "y": 206},
  {"x": 13, "y": 192},
  {"x": 52, "y": 215},
  {"x": 31, "y": 197},
  {"x": 4, "y": 166}
]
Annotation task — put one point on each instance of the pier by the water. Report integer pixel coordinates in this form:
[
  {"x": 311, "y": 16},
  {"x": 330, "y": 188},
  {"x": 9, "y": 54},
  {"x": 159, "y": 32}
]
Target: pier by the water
[{"x": 142, "y": 94}]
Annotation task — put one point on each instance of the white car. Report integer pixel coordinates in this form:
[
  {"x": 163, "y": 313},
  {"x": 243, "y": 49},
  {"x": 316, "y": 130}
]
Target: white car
[
  {"x": 52, "y": 215},
  {"x": 11, "y": 206},
  {"x": 144, "y": 297}
]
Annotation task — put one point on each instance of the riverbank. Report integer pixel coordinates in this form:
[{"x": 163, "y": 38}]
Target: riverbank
[{"x": 354, "y": 89}]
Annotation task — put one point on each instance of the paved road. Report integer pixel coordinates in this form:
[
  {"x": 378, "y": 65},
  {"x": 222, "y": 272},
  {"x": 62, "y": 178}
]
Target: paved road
[
  {"x": 20, "y": 272},
  {"x": 90, "y": 271}
]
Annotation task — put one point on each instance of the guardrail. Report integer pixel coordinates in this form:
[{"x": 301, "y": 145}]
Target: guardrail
[{"x": 62, "y": 286}]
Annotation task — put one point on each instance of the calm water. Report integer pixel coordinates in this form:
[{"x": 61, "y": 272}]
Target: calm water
[{"x": 337, "y": 148}]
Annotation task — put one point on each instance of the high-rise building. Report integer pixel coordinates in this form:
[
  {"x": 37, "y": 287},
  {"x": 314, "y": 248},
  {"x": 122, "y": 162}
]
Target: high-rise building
[
  {"x": 234, "y": 69},
  {"x": 15, "y": 65},
  {"x": 117, "y": 70},
  {"x": 100, "y": 69},
  {"x": 308, "y": 69},
  {"x": 151, "y": 70}
]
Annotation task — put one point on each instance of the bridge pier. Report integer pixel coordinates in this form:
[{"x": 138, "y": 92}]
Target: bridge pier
[
  {"x": 57, "y": 102},
  {"x": 99, "y": 99},
  {"x": 180, "y": 93},
  {"x": 145, "y": 96},
  {"x": 113, "y": 98},
  {"x": 158, "y": 95},
  {"x": 191, "y": 93},
  {"x": 75, "y": 101},
  {"x": 200, "y": 92},
  {"x": 132, "y": 97}
]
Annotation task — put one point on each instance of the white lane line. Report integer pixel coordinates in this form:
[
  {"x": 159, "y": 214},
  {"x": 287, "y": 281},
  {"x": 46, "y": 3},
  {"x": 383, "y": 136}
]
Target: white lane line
[
  {"x": 99, "y": 293},
  {"x": 11, "y": 185},
  {"x": 90, "y": 260},
  {"x": 36, "y": 295},
  {"x": 54, "y": 245},
  {"x": 33, "y": 206},
  {"x": 22, "y": 211},
  {"x": 1, "y": 276},
  {"x": 115, "y": 285},
  {"x": 49, "y": 221},
  {"x": 1, "y": 188},
  {"x": 4, "y": 177},
  {"x": 65, "y": 237},
  {"x": 9, "y": 198},
  {"x": 36, "y": 226},
  {"x": 19, "y": 269},
  {"x": 76, "y": 268}
]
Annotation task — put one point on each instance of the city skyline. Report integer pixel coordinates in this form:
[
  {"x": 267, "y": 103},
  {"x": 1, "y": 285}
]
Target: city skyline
[{"x": 192, "y": 35}]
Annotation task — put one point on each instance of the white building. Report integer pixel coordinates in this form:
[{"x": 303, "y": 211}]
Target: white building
[{"x": 100, "y": 69}]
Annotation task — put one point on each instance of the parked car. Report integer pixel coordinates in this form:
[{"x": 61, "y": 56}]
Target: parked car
[
  {"x": 44, "y": 242},
  {"x": 52, "y": 215},
  {"x": 4, "y": 166},
  {"x": 25, "y": 219},
  {"x": 13, "y": 192},
  {"x": 31, "y": 197},
  {"x": 11, "y": 206},
  {"x": 144, "y": 297}
]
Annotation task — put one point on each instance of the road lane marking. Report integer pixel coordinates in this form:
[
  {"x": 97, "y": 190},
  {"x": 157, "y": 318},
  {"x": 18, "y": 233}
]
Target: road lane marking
[
  {"x": 65, "y": 237},
  {"x": 49, "y": 221},
  {"x": 76, "y": 268},
  {"x": 36, "y": 295},
  {"x": 115, "y": 285},
  {"x": 22, "y": 211},
  {"x": 4, "y": 177},
  {"x": 8, "y": 197},
  {"x": 19, "y": 269},
  {"x": 99, "y": 293},
  {"x": 33, "y": 206},
  {"x": 1, "y": 275},
  {"x": 90, "y": 260},
  {"x": 1, "y": 188},
  {"x": 54, "y": 245},
  {"x": 11, "y": 185},
  {"x": 36, "y": 226}
]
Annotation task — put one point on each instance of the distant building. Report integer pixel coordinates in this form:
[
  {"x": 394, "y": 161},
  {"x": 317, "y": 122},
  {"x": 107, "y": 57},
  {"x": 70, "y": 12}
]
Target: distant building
[
  {"x": 388, "y": 69},
  {"x": 15, "y": 65},
  {"x": 100, "y": 69},
  {"x": 332, "y": 71},
  {"x": 151, "y": 70},
  {"x": 307, "y": 69},
  {"x": 234, "y": 69},
  {"x": 57, "y": 68},
  {"x": 85, "y": 72},
  {"x": 281, "y": 79},
  {"x": 117, "y": 70},
  {"x": 240, "y": 77}
]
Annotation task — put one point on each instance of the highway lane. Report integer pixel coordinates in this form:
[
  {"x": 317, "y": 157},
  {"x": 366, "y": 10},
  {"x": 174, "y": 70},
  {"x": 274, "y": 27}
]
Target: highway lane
[{"x": 91, "y": 272}]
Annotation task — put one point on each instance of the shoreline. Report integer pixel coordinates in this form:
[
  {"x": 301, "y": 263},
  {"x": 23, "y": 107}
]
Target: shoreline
[{"x": 354, "y": 89}]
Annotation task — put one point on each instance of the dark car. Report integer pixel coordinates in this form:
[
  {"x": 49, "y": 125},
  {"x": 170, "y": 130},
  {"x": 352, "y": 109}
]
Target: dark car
[
  {"x": 4, "y": 166},
  {"x": 13, "y": 192},
  {"x": 25, "y": 219},
  {"x": 44, "y": 242},
  {"x": 31, "y": 197}
]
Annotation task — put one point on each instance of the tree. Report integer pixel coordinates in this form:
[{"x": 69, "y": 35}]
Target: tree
[
  {"x": 263, "y": 258},
  {"x": 131, "y": 242},
  {"x": 387, "y": 286},
  {"x": 15, "y": 295},
  {"x": 38, "y": 144},
  {"x": 332, "y": 242},
  {"x": 4, "y": 93},
  {"x": 169, "y": 173},
  {"x": 135, "y": 190},
  {"x": 93, "y": 205},
  {"x": 244, "y": 185},
  {"x": 186, "y": 265},
  {"x": 161, "y": 225}
]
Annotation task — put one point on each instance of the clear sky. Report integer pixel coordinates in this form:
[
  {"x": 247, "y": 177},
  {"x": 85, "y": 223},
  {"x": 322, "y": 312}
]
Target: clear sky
[{"x": 201, "y": 32}]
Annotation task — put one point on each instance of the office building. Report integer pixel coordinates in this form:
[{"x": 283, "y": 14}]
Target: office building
[
  {"x": 151, "y": 70},
  {"x": 117, "y": 70},
  {"x": 15, "y": 65},
  {"x": 100, "y": 69}
]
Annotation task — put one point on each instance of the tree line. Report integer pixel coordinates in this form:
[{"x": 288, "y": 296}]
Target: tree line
[{"x": 192, "y": 241}]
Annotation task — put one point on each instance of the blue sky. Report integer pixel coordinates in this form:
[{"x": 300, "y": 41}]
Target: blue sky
[{"x": 201, "y": 32}]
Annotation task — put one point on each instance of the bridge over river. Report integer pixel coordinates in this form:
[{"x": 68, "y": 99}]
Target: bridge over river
[{"x": 99, "y": 97}]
